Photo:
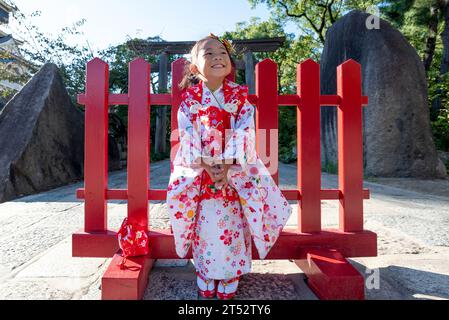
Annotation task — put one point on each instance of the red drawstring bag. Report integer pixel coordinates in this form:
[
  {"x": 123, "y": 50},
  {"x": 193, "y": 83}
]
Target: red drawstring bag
[{"x": 132, "y": 239}]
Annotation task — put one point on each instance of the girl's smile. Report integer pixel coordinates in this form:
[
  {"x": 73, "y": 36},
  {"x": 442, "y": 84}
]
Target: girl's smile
[{"x": 213, "y": 63}]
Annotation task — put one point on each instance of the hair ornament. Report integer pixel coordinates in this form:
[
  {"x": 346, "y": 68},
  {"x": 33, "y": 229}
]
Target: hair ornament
[{"x": 225, "y": 42}]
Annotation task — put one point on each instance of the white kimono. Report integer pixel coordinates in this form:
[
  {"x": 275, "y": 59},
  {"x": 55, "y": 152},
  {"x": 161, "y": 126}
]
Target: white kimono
[{"x": 219, "y": 224}]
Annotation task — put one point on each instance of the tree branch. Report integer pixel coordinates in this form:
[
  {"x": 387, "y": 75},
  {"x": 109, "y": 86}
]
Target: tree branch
[
  {"x": 331, "y": 16},
  {"x": 287, "y": 12},
  {"x": 323, "y": 20}
]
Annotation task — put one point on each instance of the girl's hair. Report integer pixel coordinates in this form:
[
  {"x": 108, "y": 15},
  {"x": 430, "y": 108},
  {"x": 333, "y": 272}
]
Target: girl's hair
[{"x": 190, "y": 79}]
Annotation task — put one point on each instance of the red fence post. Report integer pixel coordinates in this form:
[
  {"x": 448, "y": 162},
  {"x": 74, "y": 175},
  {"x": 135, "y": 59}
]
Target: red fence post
[
  {"x": 309, "y": 157},
  {"x": 267, "y": 115},
  {"x": 350, "y": 148},
  {"x": 138, "y": 140},
  {"x": 96, "y": 146}
]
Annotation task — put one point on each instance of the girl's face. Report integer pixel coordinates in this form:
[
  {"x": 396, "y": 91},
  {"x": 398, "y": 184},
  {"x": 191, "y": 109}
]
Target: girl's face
[{"x": 212, "y": 62}]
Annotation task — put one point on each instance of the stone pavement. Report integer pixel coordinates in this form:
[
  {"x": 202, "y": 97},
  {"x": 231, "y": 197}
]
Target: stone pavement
[{"x": 411, "y": 218}]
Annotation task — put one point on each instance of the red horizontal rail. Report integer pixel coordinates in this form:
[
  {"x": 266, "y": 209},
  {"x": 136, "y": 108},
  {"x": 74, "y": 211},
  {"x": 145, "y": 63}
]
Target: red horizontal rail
[
  {"x": 122, "y": 194},
  {"x": 292, "y": 244},
  {"x": 161, "y": 194},
  {"x": 166, "y": 99},
  {"x": 163, "y": 99},
  {"x": 325, "y": 100}
]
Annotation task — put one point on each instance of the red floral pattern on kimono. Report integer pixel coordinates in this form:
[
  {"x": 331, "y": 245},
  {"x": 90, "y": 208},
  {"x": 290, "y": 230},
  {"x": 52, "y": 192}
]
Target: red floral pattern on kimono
[{"x": 219, "y": 224}]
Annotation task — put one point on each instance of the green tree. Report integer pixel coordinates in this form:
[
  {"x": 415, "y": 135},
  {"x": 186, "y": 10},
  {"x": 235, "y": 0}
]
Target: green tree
[
  {"x": 312, "y": 17},
  {"x": 40, "y": 48},
  {"x": 293, "y": 51},
  {"x": 425, "y": 24},
  {"x": 118, "y": 57}
]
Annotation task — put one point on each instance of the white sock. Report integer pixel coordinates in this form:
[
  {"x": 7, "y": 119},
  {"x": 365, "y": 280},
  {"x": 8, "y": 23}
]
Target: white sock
[
  {"x": 202, "y": 284},
  {"x": 232, "y": 287}
]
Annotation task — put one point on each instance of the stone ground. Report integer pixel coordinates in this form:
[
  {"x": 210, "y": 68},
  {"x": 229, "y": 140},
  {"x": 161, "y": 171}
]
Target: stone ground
[{"x": 411, "y": 218}]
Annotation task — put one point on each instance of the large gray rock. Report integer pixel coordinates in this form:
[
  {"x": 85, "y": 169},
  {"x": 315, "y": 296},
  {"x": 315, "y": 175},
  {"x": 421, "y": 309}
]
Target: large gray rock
[
  {"x": 397, "y": 134},
  {"x": 41, "y": 138}
]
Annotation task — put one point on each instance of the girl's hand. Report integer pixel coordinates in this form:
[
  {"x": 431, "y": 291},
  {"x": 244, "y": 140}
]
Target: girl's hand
[
  {"x": 218, "y": 173},
  {"x": 222, "y": 175},
  {"x": 222, "y": 184},
  {"x": 215, "y": 171}
]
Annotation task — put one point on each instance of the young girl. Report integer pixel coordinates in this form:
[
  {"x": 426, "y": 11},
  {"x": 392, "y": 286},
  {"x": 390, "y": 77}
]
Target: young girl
[{"x": 220, "y": 194}]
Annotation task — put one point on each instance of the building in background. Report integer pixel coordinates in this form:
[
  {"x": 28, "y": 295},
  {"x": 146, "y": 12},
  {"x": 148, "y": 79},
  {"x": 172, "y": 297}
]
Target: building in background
[
  {"x": 5, "y": 9},
  {"x": 12, "y": 63}
]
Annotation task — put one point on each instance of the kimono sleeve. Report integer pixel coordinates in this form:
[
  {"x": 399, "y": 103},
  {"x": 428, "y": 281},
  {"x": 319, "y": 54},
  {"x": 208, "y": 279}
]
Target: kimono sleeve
[
  {"x": 189, "y": 139},
  {"x": 241, "y": 144}
]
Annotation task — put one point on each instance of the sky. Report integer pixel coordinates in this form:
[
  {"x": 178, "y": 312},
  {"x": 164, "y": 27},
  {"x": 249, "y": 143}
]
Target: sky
[{"x": 110, "y": 22}]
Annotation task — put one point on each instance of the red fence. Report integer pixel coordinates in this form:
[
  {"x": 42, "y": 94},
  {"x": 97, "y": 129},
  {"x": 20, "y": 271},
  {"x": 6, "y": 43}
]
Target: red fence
[{"x": 350, "y": 239}]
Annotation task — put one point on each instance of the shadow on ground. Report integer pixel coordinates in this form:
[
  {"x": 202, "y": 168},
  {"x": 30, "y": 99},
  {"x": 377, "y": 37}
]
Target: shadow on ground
[{"x": 394, "y": 282}]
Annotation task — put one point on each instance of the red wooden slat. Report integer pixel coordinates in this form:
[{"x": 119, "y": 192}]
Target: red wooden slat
[
  {"x": 331, "y": 276},
  {"x": 330, "y": 100},
  {"x": 325, "y": 100},
  {"x": 96, "y": 145},
  {"x": 111, "y": 194},
  {"x": 267, "y": 115},
  {"x": 128, "y": 283},
  {"x": 120, "y": 99},
  {"x": 157, "y": 194},
  {"x": 114, "y": 99},
  {"x": 291, "y": 244},
  {"x": 161, "y": 194},
  {"x": 161, "y": 99},
  {"x": 335, "y": 100},
  {"x": 288, "y": 100},
  {"x": 252, "y": 98},
  {"x": 365, "y": 100},
  {"x": 309, "y": 158},
  {"x": 117, "y": 194},
  {"x": 138, "y": 140},
  {"x": 164, "y": 99},
  {"x": 333, "y": 194},
  {"x": 291, "y": 194},
  {"x": 350, "y": 163}
]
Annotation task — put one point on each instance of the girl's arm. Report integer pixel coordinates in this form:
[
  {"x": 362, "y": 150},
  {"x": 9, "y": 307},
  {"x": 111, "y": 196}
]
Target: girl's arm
[
  {"x": 241, "y": 145},
  {"x": 189, "y": 152}
]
